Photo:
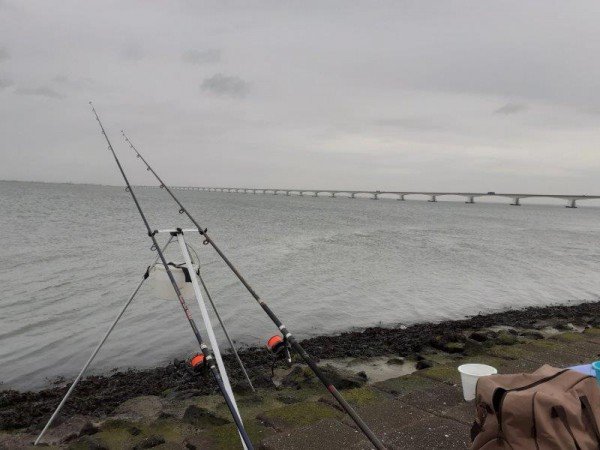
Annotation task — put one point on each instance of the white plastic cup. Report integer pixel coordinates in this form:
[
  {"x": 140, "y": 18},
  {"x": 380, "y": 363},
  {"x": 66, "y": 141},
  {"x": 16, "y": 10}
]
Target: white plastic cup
[{"x": 469, "y": 374}]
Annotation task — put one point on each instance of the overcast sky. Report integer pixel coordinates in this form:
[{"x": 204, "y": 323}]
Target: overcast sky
[{"x": 477, "y": 95}]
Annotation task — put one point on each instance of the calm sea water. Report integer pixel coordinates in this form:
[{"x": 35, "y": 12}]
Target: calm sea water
[{"x": 71, "y": 255}]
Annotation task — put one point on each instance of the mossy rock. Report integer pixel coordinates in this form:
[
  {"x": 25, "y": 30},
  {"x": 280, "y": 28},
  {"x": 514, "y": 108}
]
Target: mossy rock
[
  {"x": 546, "y": 344},
  {"x": 568, "y": 337},
  {"x": 532, "y": 334},
  {"x": 202, "y": 417},
  {"x": 592, "y": 332},
  {"x": 455, "y": 347},
  {"x": 361, "y": 396},
  {"x": 509, "y": 352},
  {"x": 91, "y": 443},
  {"x": 506, "y": 338},
  {"x": 441, "y": 372},
  {"x": 227, "y": 437},
  {"x": 298, "y": 414}
]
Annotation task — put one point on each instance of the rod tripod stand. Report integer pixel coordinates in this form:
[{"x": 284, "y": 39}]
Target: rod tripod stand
[{"x": 177, "y": 234}]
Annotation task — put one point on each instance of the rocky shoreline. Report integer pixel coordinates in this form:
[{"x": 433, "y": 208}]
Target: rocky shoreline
[{"x": 98, "y": 397}]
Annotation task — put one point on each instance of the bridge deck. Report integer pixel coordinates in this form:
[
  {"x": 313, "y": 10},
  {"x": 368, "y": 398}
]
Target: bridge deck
[{"x": 353, "y": 192}]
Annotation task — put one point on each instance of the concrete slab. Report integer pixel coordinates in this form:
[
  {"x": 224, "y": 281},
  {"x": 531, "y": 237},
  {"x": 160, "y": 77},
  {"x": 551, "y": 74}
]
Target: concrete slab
[
  {"x": 388, "y": 416},
  {"x": 298, "y": 414},
  {"x": 521, "y": 366},
  {"x": 553, "y": 353},
  {"x": 327, "y": 433},
  {"x": 464, "y": 413},
  {"x": 435, "y": 400},
  {"x": 579, "y": 346},
  {"x": 430, "y": 434},
  {"x": 405, "y": 384}
]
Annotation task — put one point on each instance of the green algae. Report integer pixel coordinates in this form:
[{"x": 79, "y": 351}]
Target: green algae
[
  {"x": 299, "y": 414},
  {"x": 592, "y": 332},
  {"x": 512, "y": 352},
  {"x": 362, "y": 396},
  {"x": 227, "y": 437},
  {"x": 570, "y": 336}
]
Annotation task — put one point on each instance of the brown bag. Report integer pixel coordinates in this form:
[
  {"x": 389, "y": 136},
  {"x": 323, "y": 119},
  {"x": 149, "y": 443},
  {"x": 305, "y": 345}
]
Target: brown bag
[{"x": 548, "y": 409}]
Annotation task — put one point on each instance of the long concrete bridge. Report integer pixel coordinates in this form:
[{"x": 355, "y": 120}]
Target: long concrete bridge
[{"x": 400, "y": 195}]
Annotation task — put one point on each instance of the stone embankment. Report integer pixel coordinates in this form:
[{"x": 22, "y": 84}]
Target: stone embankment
[{"x": 420, "y": 407}]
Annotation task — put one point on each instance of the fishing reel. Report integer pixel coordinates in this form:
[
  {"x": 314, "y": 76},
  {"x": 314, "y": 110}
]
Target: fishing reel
[
  {"x": 279, "y": 348},
  {"x": 197, "y": 363}
]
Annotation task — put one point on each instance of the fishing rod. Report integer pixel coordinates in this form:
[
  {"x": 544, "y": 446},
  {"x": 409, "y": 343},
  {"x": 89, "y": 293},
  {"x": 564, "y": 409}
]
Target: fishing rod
[
  {"x": 97, "y": 349},
  {"x": 282, "y": 328},
  {"x": 205, "y": 350}
]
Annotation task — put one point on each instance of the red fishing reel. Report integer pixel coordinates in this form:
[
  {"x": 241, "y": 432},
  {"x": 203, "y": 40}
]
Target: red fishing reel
[
  {"x": 279, "y": 347},
  {"x": 198, "y": 362}
]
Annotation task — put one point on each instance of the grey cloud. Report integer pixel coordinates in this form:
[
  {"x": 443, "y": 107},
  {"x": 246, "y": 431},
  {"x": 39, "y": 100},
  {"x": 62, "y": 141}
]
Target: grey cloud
[
  {"x": 511, "y": 108},
  {"x": 42, "y": 91},
  {"x": 198, "y": 57},
  {"x": 4, "y": 55},
  {"x": 5, "y": 82},
  {"x": 409, "y": 124},
  {"x": 71, "y": 83},
  {"x": 225, "y": 85},
  {"x": 132, "y": 53}
]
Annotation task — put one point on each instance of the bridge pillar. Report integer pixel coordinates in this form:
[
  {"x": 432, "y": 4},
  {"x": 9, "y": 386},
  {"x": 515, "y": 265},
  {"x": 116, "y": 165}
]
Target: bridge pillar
[
  {"x": 433, "y": 199},
  {"x": 287, "y": 193},
  {"x": 375, "y": 196},
  {"x": 353, "y": 195},
  {"x": 333, "y": 195},
  {"x": 316, "y": 194},
  {"x": 301, "y": 194},
  {"x": 571, "y": 203},
  {"x": 401, "y": 197},
  {"x": 471, "y": 199},
  {"x": 517, "y": 201}
]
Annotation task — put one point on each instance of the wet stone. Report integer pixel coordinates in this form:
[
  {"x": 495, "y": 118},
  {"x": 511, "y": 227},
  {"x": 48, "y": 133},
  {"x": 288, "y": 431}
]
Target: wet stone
[{"x": 424, "y": 364}]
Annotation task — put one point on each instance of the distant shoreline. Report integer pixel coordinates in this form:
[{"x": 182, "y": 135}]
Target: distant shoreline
[{"x": 99, "y": 395}]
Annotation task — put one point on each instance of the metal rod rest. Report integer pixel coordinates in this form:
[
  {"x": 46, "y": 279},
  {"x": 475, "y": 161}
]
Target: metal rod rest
[{"x": 94, "y": 353}]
